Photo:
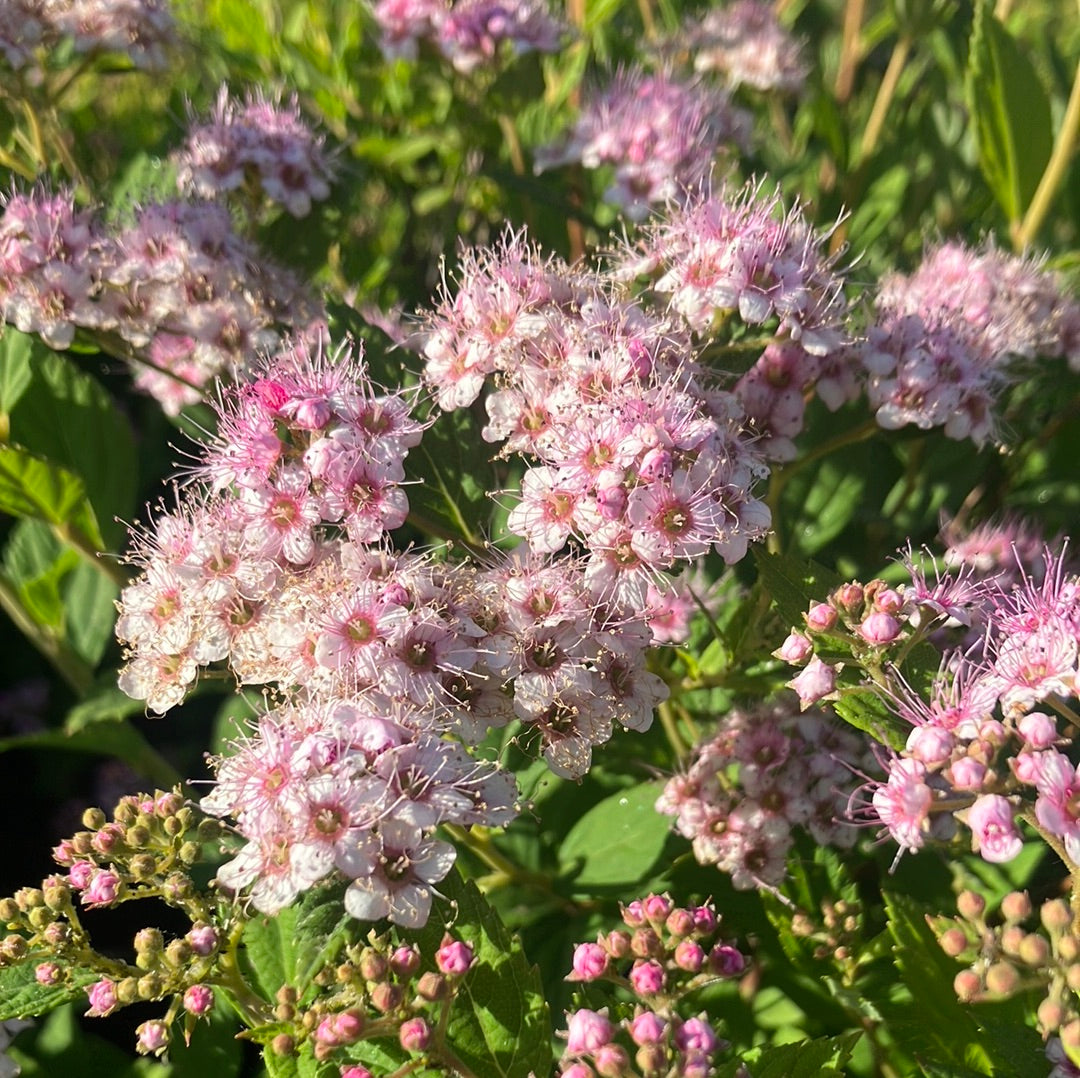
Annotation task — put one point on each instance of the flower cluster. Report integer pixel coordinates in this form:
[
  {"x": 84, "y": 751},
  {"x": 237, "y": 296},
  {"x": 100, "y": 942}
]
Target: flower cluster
[
  {"x": 175, "y": 290},
  {"x": 146, "y": 850},
  {"x": 985, "y": 748},
  {"x": 142, "y": 30},
  {"x": 945, "y": 338},
  {"x": 639, "y": 460},
  {"x": 261, "y": 145},
  {"x": 762, "y": 775},
  {"x": 375, "y": 990},
  {"x": 660, "y": 135},
  {"x": 664, "y": 953},
  {"x": 342, "y": 787},
  {"x": 468, "y": 33},
  {"x": 1002, "y": 957},
  {"x": 745, "y": 43}
]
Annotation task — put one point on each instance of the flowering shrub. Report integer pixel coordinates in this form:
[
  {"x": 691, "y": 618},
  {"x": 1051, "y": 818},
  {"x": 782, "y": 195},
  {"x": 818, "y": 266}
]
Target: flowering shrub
[{"x": 610, "y": 477}]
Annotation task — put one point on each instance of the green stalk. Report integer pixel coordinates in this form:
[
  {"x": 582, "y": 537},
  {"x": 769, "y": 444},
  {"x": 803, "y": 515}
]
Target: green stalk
[{"x": 886, "y": 92}]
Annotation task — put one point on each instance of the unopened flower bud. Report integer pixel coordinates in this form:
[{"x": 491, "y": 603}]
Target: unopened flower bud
[
  {"x": 9, "y": 911},
  {"x": 405, "y": 961},
  {"x": 1034, "y": 950},
  {"x": 386, "y": 998},
  {"x": 953, "y": 941},
  {"x": 47, "y": 974},
  {"x": 93, "y": 818},
  {"x": 651, "y": 1059},
  {"x": 849, "y": 598},
  {"x": 148, "y": 941},
  {"x": 879, "y": 628},
  {"x": 1051, "y": 1014},
  {"x": 82, "y": 843},
  {"x": 356, "y": 1071},
  {"x": 1012, "y": 937},
  {"x": 1072, "y": 976},
  {"x": 611, "y": 1061},
  {"x": 189, "y": 853},
  {"x": 455, "y": 957},
  {"x": 142, "y": 866},
  {"x": 202, "y": 939},
  {"x": 1055, "y": 915},
  {"x": 29, "y": 898},
  {"x": 590, "y": 962},
  {"x": 414, "y": 1035},
  {"x": 647, "y": 977},
  {"x": 373, "y": 965},
  {"x": 57, "y": 935},
  {"x": 617, "y": 943},
  {"x": 820, "y": 617},
  {"x": 102, "y": 997},
  {"x": 177, "y": 888},
  {"x": 57, "y": 894},
  {"x": 1068, "y": 948},
  {"x": 689, "y": 956},
  {"x": 432, "y": 986},
  {"x": 198, "y": 1000},
  {"x": 967, "y": 985},
  {"x": 150, "y": 986},
  {"x": 13, "y": 948},
  {"x": 1002, "y": 978},
  {"x": 209, "y": 830},
  {"x": 178, "y": 953},
  {"x": 680, "y": 923},
  {"x": 1070, "y": 1035},
  {"x": 795, "y": 649},
  {"x": 40, "y": 918},
  {"x": 151, "y": 1038},
  {"x": 726, "y": 960},
  {"x": 283, "y": 1045},
  {"x": 172, "y": 826},
  {"x": 286, "y": 994},
  {"x": 1016, "y": 906},
  {"x": 645, "y": 942},
  {"x": 136, "y": 837},
  {"x": 970, "y": 905}
]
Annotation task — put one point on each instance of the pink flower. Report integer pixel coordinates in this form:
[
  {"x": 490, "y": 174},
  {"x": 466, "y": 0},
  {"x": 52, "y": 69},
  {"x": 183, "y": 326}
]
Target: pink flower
[
  {"x": 993, "y": 829},
  {"x": 587, "y": 1031},
  {"x": 102, "y": 997},
  {"x": 816, "y": 680},
  {"x": 903, "y": 803}
]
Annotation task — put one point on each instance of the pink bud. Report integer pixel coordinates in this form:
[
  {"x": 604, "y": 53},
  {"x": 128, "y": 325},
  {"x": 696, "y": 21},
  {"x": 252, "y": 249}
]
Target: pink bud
[
  {"x": 611, "y": 1061},
  {"x": 103, "y": 889},
  {"x": 696, "y": 1035},
  {"x": 647, "y": 1028},
  {"x": 611, "y": 502},
  {"x": 590, "y": 962},
  {"x": 815, "y": 682},
  {"x": 888, "y": 601},
  {"x": 356, "y": 1071},
  {"x": 198, "y": 1000},
  {"x": 81, "y": 873},
  {"x": 647, "y": 977},
  {"x": 47, "y": 974},
  {"x": 704, "y": 919},
  {"x": 151, "y": 1038},
  {"x": 680, "y": 923},
  {"x": 657, "y": 907},
  {"x": 454, "y": 957},
  {"x": 655, "y": 465},
  {"x": 405, "y": 961},
  {"x": 796, "y": 649},
  {"x": 1038, "y": 729},
  {"x": 880, "y": 628},
  {"x": 930, "y": 744},
  {"x": 820, "y": 617},
  {"x": 689, "y": 956},
  {"x": 414, "y": 1035},
  {"x": 102, "y": 997},
  {"x": 587, "y": 1031},
  {"x": 633, "y": 914},
  {"x": 202, "y": 939},
  {"x": 726, "y": 960},
  {"x": 967, "y": 774},
  {"x": 993, "y": 828}
]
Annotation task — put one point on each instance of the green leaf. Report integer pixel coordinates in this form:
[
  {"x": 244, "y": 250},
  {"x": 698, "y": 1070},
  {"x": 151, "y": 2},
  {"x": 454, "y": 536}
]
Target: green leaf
[
  {"x": 1010, "y": 113},
  {"x": 21, "y": 995},
  {"x": 270, "y": 952},
  {"x": 90, "y": 600},
  {"x": 618, "y": 841},
  {"x": 825, "y": 1056},
  {"x": 322, "y": 930},
  {"x": 105, "y": 702},
  {"x": 40, "y": 490},
  {"x": 499, "y": 1026},
  {"x": 15, "y": 374},
  {"x": 866, "y": 711},
  {"x": 991, "y": 1038},
  {"x": 827, "y": 507},
  {"x": 794, "y": 583},
  {"x": 66, "y": 418}
]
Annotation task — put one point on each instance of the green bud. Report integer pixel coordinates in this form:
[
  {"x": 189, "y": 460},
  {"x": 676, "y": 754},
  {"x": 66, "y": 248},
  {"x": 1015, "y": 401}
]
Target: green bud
[
  {"x": 137, "y": 836},
  {"x": 127, "y": 990},
  {"x": 209, "y": 830},
  {"x": 13, "y": 948},
  {"x": 177, "y": 887},
  {"x": 189, "y": 853},
  {"x": 172, "y": 826},
  {"x": 82, "y": 842},
  {"x": 94, "y": 819},
  {"x": 39, "y": 918},
  {"x": 283, "y": 1045},
  {"x": 185, "y": 816},
  {"x": 9, "y": 911},
  {"x": 151, "y": 986},
  {"x": 142, "y": 866},
  {"x": 178, "y": 953}
]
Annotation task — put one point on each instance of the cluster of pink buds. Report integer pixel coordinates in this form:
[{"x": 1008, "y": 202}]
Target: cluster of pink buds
[
  {"x": 146, "y": 850},
  {"x": 986, "y": 747},
  {"x": 259, "y": 145},
  {"x": 375, "y": 990},
  {"x": 659, "y": 134},
  {"x": 662, "y": 955},
  {"x": 468, "y": 33},
  {"x": 639, "y": 460},
  {"x": 762, "y": 776},
  {"x": 30, "y": 30},
  {"x": 1004, "y": 956},
  {"x": 161, "y": 291},
  {"x": 745, "y": 43}
]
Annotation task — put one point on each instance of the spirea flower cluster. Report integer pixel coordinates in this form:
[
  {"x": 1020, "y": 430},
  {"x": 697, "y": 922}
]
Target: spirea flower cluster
[
  {"x": 659, "y": 134},
  {"x": 745, "y": 44},
  {"x": 763, "y": 775},
  {"x": 30, "y": 30},
  {"x": 989, "y": 736},
  {"x": 470, "y": 34},
  {"x": 261, "y": 145},
  {"x": 945, "y": 340},
  {"x": 632, "y": 454},
  {"x": 276, "y": 563},
  {"x": 174, "y": 289},
  {"x": 648, "y": 969}
]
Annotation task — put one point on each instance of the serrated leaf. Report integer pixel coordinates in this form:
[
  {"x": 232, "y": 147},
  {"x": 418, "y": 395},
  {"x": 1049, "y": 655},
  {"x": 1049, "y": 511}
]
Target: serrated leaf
[
  {"x": 269, "y": 950},
  {"x": 866, "y": 711},
  {"x": 322, "y": 930},
  {"x": 1010, "y": 113},
  {"x": 37, "y": 489},
  {"x": 499, "y": 1026},
  {"x": 21, "y": 995},
  {"x": 825, "y": 1056},
  {"x": 618, "y": 841},
  {"x": 793, "y": 583},
  {"x": 90, "y": 599},
  {"x": 106, "y": 702}
]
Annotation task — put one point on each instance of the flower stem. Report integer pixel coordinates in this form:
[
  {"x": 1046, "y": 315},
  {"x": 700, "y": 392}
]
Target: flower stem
[
  {"x": 886, "y": 92},
  {"x": 1055, "y": 171},
  {"x": 849, "y": 50}
]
